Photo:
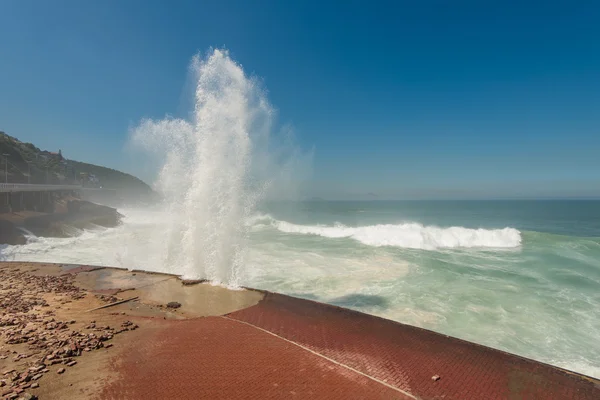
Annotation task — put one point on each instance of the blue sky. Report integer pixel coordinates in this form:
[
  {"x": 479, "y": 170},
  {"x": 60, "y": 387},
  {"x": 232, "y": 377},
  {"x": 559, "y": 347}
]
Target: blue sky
[{"x": 404, "y": 99}]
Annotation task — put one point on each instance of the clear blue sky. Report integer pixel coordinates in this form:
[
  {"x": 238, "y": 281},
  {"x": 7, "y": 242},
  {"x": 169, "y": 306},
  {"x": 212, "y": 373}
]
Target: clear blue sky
[{"x": 399, "y": 98}]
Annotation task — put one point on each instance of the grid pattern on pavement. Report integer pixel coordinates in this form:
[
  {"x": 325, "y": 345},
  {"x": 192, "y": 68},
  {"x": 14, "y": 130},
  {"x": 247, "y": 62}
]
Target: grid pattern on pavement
[
  {"x": 219, "y": 358},
  {"x": 407, "y": 357}
]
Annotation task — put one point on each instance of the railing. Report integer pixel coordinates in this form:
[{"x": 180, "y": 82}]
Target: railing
[{"x": 26, "y": 187}]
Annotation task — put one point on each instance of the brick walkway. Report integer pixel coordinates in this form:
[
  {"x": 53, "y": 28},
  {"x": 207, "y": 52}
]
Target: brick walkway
[
  {"x": 286, "y": 348},
  {"x": 218, "y": 358},
  {"x": 407, "y": 357}
]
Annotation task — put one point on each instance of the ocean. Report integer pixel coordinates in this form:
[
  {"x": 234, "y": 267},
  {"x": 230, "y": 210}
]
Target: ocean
[{"x": 520, "y": 276}]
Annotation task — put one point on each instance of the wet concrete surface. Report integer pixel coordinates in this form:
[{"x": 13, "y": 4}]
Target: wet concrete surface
[{"x": 195, "y": 300}]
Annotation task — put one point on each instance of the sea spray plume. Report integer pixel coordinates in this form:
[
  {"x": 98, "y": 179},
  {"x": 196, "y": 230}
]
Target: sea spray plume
[{"x": 215, "y": 169}]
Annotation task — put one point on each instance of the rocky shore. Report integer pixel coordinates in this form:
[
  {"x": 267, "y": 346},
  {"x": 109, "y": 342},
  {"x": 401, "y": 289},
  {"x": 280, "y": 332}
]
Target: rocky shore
[
  {"x": 65, "y": 330},
  {"x": 37, "y": 339},
  {"x": 68, "y": 213}
]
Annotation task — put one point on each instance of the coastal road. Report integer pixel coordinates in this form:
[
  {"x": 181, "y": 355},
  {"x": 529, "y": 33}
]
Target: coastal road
[{"x": 25, "y": 187}]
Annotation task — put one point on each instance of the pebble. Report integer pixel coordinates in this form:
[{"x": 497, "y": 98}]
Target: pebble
[{"x": 49, "y": 341}]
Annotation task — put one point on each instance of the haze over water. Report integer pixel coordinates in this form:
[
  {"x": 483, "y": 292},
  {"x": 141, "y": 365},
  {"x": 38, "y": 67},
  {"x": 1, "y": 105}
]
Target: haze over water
[{"x": 522, "y": 276}]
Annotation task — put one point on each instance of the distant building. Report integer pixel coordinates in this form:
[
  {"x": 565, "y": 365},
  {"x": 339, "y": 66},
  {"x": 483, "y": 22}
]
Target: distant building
[{"x": 47, "y": 155}]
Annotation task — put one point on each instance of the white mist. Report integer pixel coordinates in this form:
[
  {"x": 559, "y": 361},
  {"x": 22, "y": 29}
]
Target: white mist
[{"x": 215, "y": 169}]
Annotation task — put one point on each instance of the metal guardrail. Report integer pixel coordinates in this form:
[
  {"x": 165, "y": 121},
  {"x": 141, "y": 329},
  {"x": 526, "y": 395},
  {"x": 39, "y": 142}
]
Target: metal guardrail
[{"x": 26, "y": 187}]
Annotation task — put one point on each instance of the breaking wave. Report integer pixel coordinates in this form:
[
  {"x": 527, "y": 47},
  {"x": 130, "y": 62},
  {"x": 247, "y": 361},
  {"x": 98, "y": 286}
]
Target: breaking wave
[{"x": 412, "y": 235}]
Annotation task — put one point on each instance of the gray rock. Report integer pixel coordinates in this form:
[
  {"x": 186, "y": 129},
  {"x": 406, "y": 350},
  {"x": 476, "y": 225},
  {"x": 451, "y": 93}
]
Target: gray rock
[{"x": 173, "y": 304}]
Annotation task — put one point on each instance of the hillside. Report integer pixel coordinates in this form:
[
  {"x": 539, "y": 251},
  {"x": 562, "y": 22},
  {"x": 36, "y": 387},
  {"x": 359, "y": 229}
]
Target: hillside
[{"x": 29, "y": 164}]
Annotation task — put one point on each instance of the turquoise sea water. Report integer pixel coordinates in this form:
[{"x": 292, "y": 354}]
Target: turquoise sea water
[
  {"x": 453, "y": 267},
  {"x": 521, "y": 276}
]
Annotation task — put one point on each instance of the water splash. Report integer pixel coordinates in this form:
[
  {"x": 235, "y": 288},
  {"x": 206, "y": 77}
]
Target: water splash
[{"x": 215, "y": 168}]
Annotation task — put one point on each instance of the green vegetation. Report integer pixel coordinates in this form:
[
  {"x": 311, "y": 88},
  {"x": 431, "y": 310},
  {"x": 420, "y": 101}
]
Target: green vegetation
[{"x": 29, "y": 164}]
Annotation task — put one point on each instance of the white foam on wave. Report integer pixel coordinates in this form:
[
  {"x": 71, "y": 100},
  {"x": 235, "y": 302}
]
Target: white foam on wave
[
  {"x": 26, "y": 232},
  {"x": 412, "y": 235},
  {"x": 259, "y": 219}
]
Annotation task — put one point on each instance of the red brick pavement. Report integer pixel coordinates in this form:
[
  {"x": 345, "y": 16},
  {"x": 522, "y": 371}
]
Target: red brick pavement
[
  {"x": 219, "y": 358},
  {"x": 407, "y": 357}
]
